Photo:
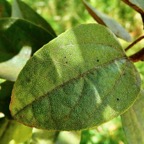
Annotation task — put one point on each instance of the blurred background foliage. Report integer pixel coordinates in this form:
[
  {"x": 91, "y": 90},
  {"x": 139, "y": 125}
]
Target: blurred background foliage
[
  {"x": 108, "y": 133},
  {"x": 64, "y": 14}
]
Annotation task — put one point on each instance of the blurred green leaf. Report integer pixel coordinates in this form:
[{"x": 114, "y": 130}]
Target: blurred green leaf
[
  {"x": 16, "y": 34},
  {"x": 54, "y": 137},
  {"x": 103, "y": 19},
  {"x": 10, "y": 69},
  {"x": 140, "y": 67},
  {"x": 79, "y": 80},
  {"x": 108, "y": 133},
  {"x": 5, "y": 94},
  {"x": 133, "y": 121},
  {"x": 12, "y": 131},
  {"x": 5, "y": 9},
  {"x": 22, "y": 10},
  {"x": 142, "y": 18},
  {"x": 68, "y": 137},
  {"x": 42, "y": 137}
]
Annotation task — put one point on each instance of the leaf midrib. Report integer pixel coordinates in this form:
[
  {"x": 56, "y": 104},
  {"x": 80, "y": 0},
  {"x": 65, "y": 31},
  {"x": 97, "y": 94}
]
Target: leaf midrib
[{"x": 75, "y": 78}]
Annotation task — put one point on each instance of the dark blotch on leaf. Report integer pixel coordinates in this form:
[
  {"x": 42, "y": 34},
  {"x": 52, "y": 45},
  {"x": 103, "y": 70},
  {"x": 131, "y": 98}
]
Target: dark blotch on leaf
[
  {"x": 97, "y": 60},
  {"x": 118, "y": 99},
  {"x": 28, "y": 80}
]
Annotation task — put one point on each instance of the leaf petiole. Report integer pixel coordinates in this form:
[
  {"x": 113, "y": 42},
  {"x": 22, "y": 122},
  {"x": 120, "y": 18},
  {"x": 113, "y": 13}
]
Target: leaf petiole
[{"x": 135, "y": 42}]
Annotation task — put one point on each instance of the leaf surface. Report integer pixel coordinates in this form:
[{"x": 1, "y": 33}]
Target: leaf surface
[
  {"x": 78, "y": 80},
  {"x": 22, "y": 10},
  {"x": 133, "y": 122},
  {"x": 105, "y": 20}
]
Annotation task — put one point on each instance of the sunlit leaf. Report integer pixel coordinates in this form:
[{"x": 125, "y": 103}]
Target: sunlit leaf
[
  {"x": 42, "y": 137},
  {"x": 78, "y": 80},
  {"x": 54, "y": 137},
  {"x": 22, "y": 10},
  {"x": 142, "y": 18},
  {"x": 12, "y": 131},
  {"x": 16, "y": 34},
  {"x": 5, "y": 9},
  {"x": 68, "y": 137},
  {"x": 105, "y": 20},
  {"x": 133, "y": 121},
  {"x": 10, "y": 69},
  {"x": 5, "y": 94}
]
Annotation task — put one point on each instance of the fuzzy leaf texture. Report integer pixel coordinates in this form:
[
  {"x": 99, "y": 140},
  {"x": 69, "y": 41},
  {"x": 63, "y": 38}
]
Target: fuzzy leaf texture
[
  {"x": 79, "y": 80},
  {"x": 132, "y": 121}
]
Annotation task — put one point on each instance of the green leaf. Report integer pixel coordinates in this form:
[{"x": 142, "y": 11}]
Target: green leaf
[
  {"x": 105, "y": 20},
  {"x": 5, "y": 9},
  {"x": 5, "y": 94},
  {"x": 22, "y": 10},
  {"x": 78, "y": 80},
  {"x": 133, "y": 121},
  {"x": 14, "y": 132},
  {"x": 16, "y": 34},
  {"x": 10, "y": 69}
]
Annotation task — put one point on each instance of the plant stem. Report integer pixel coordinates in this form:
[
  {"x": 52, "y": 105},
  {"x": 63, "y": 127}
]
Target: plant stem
[
  {"x": 135, "y": 7},
  {"x": 135, "y": 42},
  {"x": 56, "y": 136}
]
